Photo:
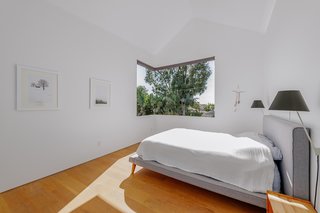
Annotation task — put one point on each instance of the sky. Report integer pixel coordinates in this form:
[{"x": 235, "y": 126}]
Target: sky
[{"x": 207, "y": 97}]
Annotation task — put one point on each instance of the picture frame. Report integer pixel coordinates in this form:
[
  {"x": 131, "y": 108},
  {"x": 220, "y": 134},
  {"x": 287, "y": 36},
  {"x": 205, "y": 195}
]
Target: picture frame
[
  {"x": 100, "y": 93},
  {"x": 37, "y": 89}
]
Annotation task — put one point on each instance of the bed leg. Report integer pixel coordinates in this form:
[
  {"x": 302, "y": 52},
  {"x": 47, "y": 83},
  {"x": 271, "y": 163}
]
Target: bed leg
[{"x": 133, "y": 168}]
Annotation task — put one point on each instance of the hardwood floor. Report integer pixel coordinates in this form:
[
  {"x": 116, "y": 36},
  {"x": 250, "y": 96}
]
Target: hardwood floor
[{"x": 105, "y": 185}]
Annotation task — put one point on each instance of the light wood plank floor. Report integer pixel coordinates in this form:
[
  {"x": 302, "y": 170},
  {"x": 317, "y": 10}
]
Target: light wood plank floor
[{"x": 105, "y": 185}]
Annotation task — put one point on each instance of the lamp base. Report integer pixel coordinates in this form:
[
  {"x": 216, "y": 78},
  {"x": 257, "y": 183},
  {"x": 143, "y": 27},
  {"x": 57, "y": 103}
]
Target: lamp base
[{"x": 317, "y": 181}]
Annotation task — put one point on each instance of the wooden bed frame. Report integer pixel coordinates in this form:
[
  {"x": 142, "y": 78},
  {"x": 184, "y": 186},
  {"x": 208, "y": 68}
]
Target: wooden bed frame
[{"x": 294, "y": 167}]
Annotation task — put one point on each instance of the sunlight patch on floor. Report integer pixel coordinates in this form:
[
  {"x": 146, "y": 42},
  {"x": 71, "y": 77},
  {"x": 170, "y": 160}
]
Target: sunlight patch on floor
[{"x": 106, "y": 187}]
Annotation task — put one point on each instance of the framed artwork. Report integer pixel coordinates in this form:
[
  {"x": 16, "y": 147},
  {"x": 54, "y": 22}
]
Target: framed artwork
[
  {"x": 100, "y": 91},
  {"x": 37, "y": 89}
]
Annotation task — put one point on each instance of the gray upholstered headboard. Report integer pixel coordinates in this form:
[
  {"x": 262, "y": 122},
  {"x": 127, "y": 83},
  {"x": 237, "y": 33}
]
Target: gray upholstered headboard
[{"x": 294, "y": 145}]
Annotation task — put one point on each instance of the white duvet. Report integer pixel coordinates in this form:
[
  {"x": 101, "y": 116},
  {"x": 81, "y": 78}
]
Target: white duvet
[{"x": 242, "y": 162}]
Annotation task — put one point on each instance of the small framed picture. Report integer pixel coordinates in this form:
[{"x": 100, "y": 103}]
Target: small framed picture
[
  {"x": 100, "y": 91},
  {"x": 37, "y": 89}
]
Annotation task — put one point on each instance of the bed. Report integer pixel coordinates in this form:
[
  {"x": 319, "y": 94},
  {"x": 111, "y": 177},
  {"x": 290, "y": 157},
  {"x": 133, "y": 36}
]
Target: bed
[{"x": 294, "y": 167}]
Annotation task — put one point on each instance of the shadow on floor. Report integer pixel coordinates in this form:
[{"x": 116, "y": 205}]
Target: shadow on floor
[
  {"x": 147, "y": 191},
  {"x": 96, "y": 205}
]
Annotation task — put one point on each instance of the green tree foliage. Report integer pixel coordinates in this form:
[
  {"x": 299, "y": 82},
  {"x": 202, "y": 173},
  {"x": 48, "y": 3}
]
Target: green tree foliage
[
  {"x": 209, "y": 107},
  {"x": 144, "y": 105},
  {"x": 174, "y": 90}
]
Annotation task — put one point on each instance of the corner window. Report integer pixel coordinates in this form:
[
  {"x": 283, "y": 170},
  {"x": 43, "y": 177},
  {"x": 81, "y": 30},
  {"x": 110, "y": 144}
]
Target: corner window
[{"x": 185, "y": 89}]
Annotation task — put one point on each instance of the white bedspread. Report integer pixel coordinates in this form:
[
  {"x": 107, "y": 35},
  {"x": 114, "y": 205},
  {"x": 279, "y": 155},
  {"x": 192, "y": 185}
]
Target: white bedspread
[{"x": 239, "y": 161}]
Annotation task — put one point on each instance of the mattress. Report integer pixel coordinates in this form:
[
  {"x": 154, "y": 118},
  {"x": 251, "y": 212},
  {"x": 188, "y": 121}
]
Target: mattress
[{"x": 242, "y": 162}]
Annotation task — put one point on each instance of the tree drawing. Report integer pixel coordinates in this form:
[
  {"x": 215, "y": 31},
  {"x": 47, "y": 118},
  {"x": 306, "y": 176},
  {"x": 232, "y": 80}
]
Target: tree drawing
[
  {"x": 40, "y": 84},
  {"x": 43, "y": 83},
  {"x": 174, "y": 90},
  {"x": 33, "y": 84}
]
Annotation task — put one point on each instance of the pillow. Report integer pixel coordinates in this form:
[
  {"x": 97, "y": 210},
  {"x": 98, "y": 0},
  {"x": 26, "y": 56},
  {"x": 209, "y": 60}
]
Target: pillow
[
  {"x": 275, "y": 151},
  {"x": 276, "y": 186}
]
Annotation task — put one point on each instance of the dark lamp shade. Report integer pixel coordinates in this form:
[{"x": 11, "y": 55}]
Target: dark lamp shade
[
  {"x": 290, "y": 100},
  {"x": 257, "y": 104}
]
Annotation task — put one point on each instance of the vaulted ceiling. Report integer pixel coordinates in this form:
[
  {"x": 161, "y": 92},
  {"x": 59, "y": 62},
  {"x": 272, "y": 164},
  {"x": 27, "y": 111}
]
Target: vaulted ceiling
[{"x": 151, "y": 24}]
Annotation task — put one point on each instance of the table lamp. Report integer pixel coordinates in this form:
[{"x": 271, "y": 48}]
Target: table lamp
[{"x": 292, "y": 100}]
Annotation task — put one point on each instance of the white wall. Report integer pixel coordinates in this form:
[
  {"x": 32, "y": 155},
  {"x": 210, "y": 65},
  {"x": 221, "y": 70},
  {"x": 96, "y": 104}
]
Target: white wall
[
  {"x": 239, "y": 59},
  {"x": 292, "y": 61},
  {"x": 36, "y": 144}
]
